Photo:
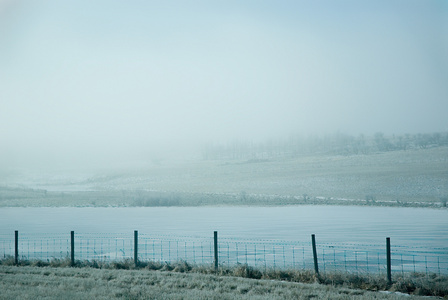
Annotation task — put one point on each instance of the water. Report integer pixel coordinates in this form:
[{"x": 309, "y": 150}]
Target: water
[
  {"x": 351, "y": 224},
  {"x": 346, "y": 235}
]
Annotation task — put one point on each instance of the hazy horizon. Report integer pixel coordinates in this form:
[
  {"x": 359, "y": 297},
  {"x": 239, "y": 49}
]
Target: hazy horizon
[{"x": 99, "y": 82}]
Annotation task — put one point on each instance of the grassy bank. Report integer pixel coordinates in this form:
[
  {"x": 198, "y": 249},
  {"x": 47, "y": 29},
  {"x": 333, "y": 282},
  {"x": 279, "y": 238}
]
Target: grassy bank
[
  {"x": 16, "y": 197},
  {"x": 98, "y": 280}
]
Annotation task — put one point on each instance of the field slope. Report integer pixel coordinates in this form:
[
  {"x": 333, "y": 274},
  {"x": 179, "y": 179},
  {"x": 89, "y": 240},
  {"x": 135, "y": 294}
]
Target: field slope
[{"x": 417, "y": 177}]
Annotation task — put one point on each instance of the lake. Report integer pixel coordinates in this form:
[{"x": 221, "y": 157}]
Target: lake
[
  {"x": 354, "y": 224},
  {"x": 418, "y": 230}
]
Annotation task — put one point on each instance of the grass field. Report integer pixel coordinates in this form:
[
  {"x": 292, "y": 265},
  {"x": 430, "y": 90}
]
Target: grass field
[
  {"x": 396, "y": 178},
  {"x": 28, "y": 282}
]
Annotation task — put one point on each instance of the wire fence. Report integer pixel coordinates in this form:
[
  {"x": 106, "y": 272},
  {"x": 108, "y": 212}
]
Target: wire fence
[{"x": 261, "y": 254}]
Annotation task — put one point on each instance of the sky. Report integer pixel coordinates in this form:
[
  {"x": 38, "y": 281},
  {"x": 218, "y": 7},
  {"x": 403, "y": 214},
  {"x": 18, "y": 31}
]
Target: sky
[{"x": 101, "y": 81}]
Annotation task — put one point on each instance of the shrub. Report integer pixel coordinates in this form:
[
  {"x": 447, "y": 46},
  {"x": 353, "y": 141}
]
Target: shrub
[{"x": 246, "y": 271}]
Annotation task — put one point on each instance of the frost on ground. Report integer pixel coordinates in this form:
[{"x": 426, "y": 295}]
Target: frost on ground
[{"x": 87, "y": 283}]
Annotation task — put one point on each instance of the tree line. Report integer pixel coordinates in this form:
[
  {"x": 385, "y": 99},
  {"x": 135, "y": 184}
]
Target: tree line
[{"x": 333, "y": 144}]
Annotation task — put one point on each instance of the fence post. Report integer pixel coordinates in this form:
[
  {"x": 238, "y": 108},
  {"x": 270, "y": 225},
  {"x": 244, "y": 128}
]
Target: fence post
[
  {"x": 136, "y": 248},
  {"x": 389, "y": 269},
  {"x": 316, "y": 267},
  {"x": 216, "y": 249},
  {"x": 16, "y": 252},
  {"x": 72, "y": 253}
]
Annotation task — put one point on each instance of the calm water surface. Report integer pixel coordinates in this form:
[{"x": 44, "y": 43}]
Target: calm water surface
[{"x": 331, "y": 224}]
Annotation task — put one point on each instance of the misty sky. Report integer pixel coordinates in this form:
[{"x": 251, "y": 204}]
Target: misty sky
[{"x": 128, "y": 78}]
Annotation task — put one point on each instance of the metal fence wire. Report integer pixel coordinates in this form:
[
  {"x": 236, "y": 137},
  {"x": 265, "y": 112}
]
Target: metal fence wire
[{"x": 261, "y": 254}]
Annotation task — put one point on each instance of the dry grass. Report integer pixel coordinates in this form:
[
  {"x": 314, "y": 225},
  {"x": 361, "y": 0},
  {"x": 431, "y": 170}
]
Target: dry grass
[
  {"x": 89, "y": 283},
  {"x": 412, "y": 283}
]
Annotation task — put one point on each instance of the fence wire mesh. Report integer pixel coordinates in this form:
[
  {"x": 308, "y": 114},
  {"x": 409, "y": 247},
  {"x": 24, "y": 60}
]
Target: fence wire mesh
[{"x": 261, "y": 254}]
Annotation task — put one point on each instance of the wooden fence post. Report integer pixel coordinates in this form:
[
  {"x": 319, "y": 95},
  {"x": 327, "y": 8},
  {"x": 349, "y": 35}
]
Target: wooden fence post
[
  {"x": 136, "y": 248},
  {"x": 316, "y": 267},
  {"x": 16, "y": 252},
  {"x": 216, "y": 249},
  {"x": 389, "y": 267},
  {"x": 72, "y": 252}
]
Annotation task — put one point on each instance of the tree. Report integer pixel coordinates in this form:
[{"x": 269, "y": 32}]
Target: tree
[{"x": 382, "y": 143}]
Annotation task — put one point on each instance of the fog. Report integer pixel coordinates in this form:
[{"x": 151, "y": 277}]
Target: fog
[{"x": 94, "y": 83}]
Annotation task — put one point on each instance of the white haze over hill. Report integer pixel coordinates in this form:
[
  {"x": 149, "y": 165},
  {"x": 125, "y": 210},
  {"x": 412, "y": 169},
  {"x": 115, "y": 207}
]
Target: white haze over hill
[{"x": 93, "y": 83}]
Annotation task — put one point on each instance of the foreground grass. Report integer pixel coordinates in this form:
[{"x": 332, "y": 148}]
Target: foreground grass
[
  {"x": 88, "y": 283},
  {"x": 180, "y": 280}
]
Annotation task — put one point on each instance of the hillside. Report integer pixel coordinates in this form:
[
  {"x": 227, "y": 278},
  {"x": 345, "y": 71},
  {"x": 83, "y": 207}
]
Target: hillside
[{"x": 412, "y": 177}]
